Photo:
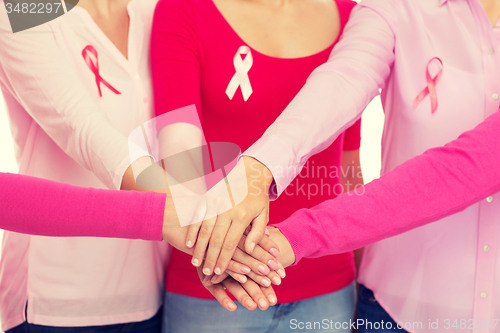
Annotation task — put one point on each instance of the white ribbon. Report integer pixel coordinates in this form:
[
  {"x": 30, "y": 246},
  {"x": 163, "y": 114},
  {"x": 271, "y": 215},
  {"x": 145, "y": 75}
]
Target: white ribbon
[{"x": 240, "y": 78}]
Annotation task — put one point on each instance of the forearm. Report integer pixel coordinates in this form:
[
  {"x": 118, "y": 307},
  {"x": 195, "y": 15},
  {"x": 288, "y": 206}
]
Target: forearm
[
  {"x": 436, "y": 184},
  {"x": 45, "y": 208},
  {"x": 332, "y": 99}
]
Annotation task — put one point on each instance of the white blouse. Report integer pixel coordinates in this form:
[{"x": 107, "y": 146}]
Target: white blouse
[{"x": 66, "y": 131}]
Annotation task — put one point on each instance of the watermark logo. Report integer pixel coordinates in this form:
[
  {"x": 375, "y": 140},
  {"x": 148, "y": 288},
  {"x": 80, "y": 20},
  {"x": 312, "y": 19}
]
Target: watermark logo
[
  {"x": 26, "y": 14},
  {"x": 204, "y": 179}
]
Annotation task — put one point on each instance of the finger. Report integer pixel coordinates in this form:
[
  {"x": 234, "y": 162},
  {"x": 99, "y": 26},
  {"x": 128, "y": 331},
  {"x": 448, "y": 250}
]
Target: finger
[
  {"x": 247, "y": 260},
  {"x": 272, "y": 277},
  {"x": 204, "y": 235},
  {"x": 215, "y": 279},
  {"x": 270, "y": 295},
  {"x": 255, "y": 291},
  {"x": 221, "y": 296},
  {"x": 237, "y": 276},
  {"x": 240, "y": 293},
  {"x": 218, "y": 292},
  {"x": 233, "y": 237},
  {"x": 263, "y": 256},
  {"x": 259, "y": 225},
  {"x": 270, "y": 246},
  {"x": 259, "y": 279},
  {"x": 218, "y": 235},
  {"x": 238, "y": 267},
  {"x": 192, "y": 234}
]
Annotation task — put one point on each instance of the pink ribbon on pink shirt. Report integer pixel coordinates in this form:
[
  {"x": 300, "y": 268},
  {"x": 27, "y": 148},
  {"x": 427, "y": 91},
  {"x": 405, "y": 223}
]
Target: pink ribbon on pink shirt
[
  {"x": 94, "y": 67},
  {"x": 431, "y": 86}
]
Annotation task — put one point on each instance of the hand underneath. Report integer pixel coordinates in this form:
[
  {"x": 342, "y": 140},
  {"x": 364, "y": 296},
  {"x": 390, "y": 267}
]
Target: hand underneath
[
  {"x": 286, "y": 256},
  {"x": 249, "y": 294}
]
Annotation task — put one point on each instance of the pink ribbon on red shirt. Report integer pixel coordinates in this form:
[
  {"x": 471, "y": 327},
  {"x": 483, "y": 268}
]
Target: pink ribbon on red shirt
[
  {"x": 94, "y": 67},
  {"x": 431, "y": 86}
]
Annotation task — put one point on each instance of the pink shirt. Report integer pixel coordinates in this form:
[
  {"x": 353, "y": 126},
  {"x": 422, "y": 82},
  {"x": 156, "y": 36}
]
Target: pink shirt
[
  {"x": 64, "y": 131},
  {"x": 446, "y": 270}
]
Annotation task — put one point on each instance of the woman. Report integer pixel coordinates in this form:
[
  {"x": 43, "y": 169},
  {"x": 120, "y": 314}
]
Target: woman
[
  {"x": 75, "y": 88},
  {"x": 197, "y": 46},
  {"x": 437, "y": 64}
]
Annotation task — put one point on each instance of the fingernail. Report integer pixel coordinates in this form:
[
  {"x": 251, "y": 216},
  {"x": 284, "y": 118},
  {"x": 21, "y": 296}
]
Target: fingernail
[
  {"x": 252, "y": 246},
  {"x": 214, "y": 279},
  {"x": 206, "y": 271},
  {"x": 266, "y": 282},
  {"x": 276, "y": 280},
  {"x": 249, "y": 303},
  {"x": 242, "y": 279},
  {"x": 189, "y": 244},
  {"x": 267, "y": 232},
  {"x": 206, "y": 279},
  {"x": 196, "y": 262},
  {"x": 231, "y": 306},
  {"x": 273, "y": 265},
  {"x": 263, "y": 269},
  {"x": 274, "y": 252},
  {"x": 218, "y": 271},
  {"x": 272, "y": 299},
  {"x": 245, "y": 269},
  {"x": 262, "y": 303},
  {"x": 281, "y": 273}
]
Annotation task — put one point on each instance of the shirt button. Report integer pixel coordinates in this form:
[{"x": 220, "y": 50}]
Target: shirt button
[
  {"x": 486, "y": 248},
  {"x": 483, "y": 295},
  {"x": 489, "y": 199},
  {"x": 491, "y": 50},
  {"x": 495, "y": 96},
  {"x": 137, "y": 77},
  {"x": 145, "y": 99}
]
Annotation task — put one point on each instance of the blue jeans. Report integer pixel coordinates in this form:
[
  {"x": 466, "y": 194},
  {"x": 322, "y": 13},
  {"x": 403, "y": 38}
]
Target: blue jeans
[
  {"x": 376, "y": 319},
  {"x": 184, "y": 314},
  {"x": 152, "y": 325}
]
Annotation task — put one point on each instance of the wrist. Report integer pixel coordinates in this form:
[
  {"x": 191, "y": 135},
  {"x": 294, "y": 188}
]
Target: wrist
[
  {"x": 259, "y": 176},
  {"x": 287, "y": 256}
]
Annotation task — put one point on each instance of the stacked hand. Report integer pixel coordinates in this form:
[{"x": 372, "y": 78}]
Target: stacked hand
[{"x": 230, "y": 249}]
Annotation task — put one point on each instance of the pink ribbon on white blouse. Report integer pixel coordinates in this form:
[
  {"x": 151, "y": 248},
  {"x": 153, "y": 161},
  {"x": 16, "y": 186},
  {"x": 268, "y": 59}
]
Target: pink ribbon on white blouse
[
  {"x": 431, "y": 86},
  {"x": 94, "y": 67},
  {"x": 240, "y": 78}
]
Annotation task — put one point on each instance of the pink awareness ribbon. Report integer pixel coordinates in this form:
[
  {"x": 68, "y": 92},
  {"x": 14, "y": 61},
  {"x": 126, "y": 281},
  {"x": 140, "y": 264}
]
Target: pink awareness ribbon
[
  {"x": 94, "y": 67},
  {"x": 431, "y": 86}
]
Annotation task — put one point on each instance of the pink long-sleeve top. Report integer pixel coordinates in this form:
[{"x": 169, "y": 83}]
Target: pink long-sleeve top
[
  {"x": 71, "y": 127},
  {"x": 42, "y": 207},
  {"x": 443, "y": 271}
]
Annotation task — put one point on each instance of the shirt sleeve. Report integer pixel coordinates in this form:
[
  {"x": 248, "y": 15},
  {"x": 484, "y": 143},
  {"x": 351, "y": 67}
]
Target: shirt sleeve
[
  {"x": 352, "y": 137},
  {"x": 441, "y": 182},
  {"x": 334, "y": 95},
  {"x": 175, "y": 57},
  {"x": 35, "y": 71},
  {"x": 41, "y": 207}
]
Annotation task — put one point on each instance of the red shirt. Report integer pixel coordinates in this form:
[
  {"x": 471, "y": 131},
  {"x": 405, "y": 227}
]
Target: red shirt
[{"x": 192, "y": 60}]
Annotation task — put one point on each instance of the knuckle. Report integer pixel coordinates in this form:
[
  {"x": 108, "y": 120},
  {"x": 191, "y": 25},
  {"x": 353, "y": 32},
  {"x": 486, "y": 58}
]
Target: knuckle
[
  {"x": 205, "y": 232},
  {"x": 229, "y": 245},
  {"x": 216, "y": 241},
  {"x": 242, "y": 214},
  {"x": 263, "y": 258}
]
